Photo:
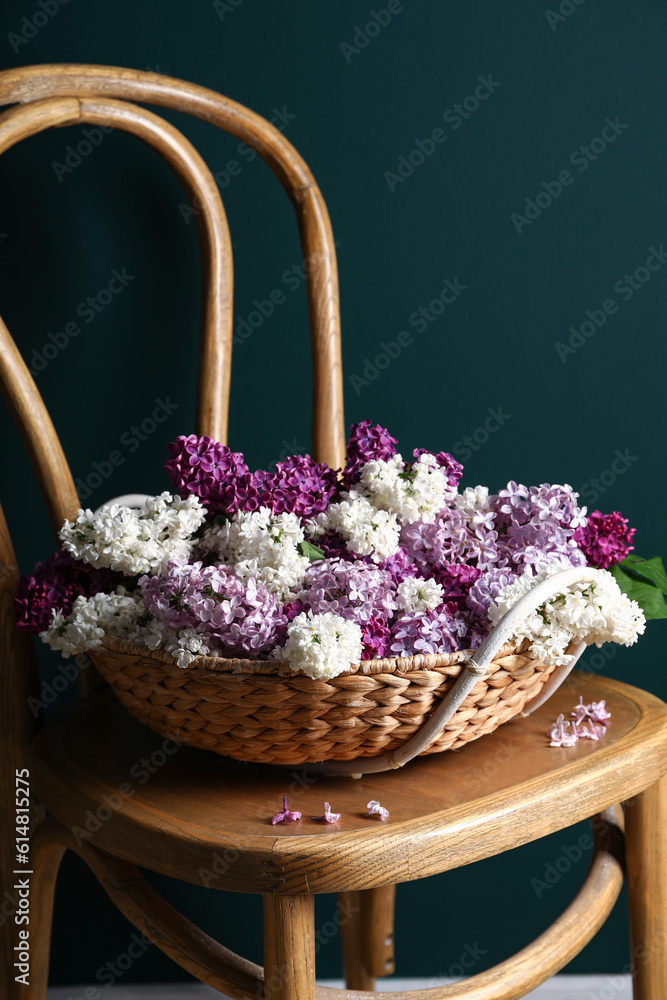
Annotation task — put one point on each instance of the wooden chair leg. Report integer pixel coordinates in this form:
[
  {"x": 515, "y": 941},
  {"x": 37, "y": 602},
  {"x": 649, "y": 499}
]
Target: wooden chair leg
[
  {"x": 646, "y": 854},
  {"x": 367, "y": 934},
  {"x": 289, "y": 947}
]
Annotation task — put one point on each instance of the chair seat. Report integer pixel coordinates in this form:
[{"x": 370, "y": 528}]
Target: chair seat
[{"x": 206, "y": 818}]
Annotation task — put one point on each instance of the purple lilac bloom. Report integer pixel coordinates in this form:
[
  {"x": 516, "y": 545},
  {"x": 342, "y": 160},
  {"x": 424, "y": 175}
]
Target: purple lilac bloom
[
  {"x": 487, "y": 587},
  {"x": 242, "y": 617},
  {"x": 456, "y": 581},
  {"x": 453, "y": 469},
  {"x": 299, "y": 486},
  {"x": 334, "y": 546},
  {"x": 537, "y": 524},
  {"x": 366, "y": 443},
  {"x": 375, "y": 636},
  {"x": 356, "y": 591},
  {"x": 400, "y": 565},
  {"x": 452, "y": 538},
  {"x": 214, "y": 473},
  {"x": 606, "y": 539},
  {"x": 440, "y": 631},
  {"x": 56, "y": 584}
]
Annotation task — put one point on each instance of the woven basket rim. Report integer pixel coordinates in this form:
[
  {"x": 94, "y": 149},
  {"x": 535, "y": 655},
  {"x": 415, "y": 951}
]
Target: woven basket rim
[{"x": 279, "y": 668}]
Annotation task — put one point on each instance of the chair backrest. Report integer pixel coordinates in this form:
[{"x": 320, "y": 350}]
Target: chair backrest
[{"x": 45, "y": 96}]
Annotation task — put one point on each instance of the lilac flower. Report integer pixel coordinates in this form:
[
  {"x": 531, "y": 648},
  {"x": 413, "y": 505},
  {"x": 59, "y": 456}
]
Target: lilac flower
[
  {"x": 589, "y": 722},
  {"x": 56, "y": 584},
  {"x": 334, "y": 545},
  {"x": 375, "y": 636},
  {"x": 536, "y": 525},
  {"x": 354, "y": 590},
  {"x": 285, "y": 815},
  {"x": 329, "y": 817},
  {"x": 364, "y": 444},
  {"x": 299, "y": 486},
  {"x": 453, "y": 469},
  {"x": 559, "y": 735},
  {"x": 375, "y": 809},
  {"x": 400, "y": 565},
  {"x": 486, "y": 587},
  {"x": 605, "y": 540},
  {"x": 242, "y": 616},
  {"x": 438, "y": 631},
  {"x": 214, "y": 473},
  {"x": 589, "y": 731},
  {"x": 596, "y": 712}
]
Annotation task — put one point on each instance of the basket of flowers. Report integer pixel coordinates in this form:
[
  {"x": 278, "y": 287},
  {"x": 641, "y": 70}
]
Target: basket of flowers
[{"x": 306, "y": 614}]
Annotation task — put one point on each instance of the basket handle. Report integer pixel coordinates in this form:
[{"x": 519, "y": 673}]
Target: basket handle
[{"x": 475, "y": 667}]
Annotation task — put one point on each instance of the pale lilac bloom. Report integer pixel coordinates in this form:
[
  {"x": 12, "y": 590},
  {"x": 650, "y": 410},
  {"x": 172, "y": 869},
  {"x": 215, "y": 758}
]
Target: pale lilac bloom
[
  {"x": 589, "y": 731},
  {"x": 329, "y": 817},
  {"x": 596, "y": 712},
  {"x": 559, "y": 735},
  {"x": 286, "y": 815},
  {"x": 589, "y": 722},
  {"x": 599, "y": 713},
  {"x": 375, "y": 809}
]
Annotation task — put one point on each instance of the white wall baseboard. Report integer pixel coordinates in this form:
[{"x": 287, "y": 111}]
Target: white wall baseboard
[{"x": 602, "y": 987}]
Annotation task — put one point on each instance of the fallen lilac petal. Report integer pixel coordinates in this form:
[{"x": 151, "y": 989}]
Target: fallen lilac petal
[
  {"x": 559, "y": 735},
  {"x": 599, "y": 713},
  {"x": 286, "y": 815},
  {"x": 329, "y": 817},
  {"x": 375, "y": 809},
  {"x": 589, "y": 732},
  {"x": 581, "y": 711}
]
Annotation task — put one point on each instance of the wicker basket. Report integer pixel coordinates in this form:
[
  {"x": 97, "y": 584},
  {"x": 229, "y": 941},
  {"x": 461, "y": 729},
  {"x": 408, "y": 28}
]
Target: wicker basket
[{"x": 264, "y": 712}]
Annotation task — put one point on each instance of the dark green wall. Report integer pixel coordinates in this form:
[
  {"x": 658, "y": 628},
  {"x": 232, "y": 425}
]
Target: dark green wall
[{"x": 353, "y": 114}]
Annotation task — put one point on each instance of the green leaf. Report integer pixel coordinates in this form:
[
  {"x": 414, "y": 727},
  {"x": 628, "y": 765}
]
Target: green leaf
[
  {"x": 647, "y": 596},
  {"x": 652, "y": 569},
  {"x": 312, "y": 551}
]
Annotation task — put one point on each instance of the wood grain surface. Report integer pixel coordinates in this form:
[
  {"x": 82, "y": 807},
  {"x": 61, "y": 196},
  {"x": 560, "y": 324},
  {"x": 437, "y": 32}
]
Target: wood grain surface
[{"x": 445, "y": 810}]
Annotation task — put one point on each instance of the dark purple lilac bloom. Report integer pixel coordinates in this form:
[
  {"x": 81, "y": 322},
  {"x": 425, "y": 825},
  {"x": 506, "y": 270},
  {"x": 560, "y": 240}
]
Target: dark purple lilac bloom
[
  {"x": 56, "y": 584},
  {"x": 366, "y": 443},
  {"x": 375, "y": 635},
  {"x": 214, "y": 473},
  {"x": 298, "y": 486},
  {"x": 606, "y": 539}
]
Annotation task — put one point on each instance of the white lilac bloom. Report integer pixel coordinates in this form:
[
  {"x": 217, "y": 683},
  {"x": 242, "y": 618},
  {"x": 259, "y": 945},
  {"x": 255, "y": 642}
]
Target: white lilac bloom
[
  {"x": 417, "y": 594},
  {"x": 413, "y": 492},
  {"x": 321, "y": 646},
  {"x": 593, "y": 612},
  {"x": 262, "y": 545},
  {"x": 135, "y": 541},
  {"x": 185, "y": 645},
  {"x": 366, "y": 530},
  {"x": 120, "y": 614},
  {"x": 473, "y": 500}
]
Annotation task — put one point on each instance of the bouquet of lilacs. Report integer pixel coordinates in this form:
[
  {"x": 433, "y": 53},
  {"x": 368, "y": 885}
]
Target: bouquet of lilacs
[{"x": 320, "y": 569}]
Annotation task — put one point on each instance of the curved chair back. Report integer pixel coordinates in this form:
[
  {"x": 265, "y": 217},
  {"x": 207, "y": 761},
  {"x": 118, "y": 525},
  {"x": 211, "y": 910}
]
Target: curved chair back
[{"x": 56, "y": 95}]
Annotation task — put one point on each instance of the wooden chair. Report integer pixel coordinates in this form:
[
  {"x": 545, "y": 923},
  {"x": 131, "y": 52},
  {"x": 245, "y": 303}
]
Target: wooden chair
[{"x": 206, "y": 820}]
